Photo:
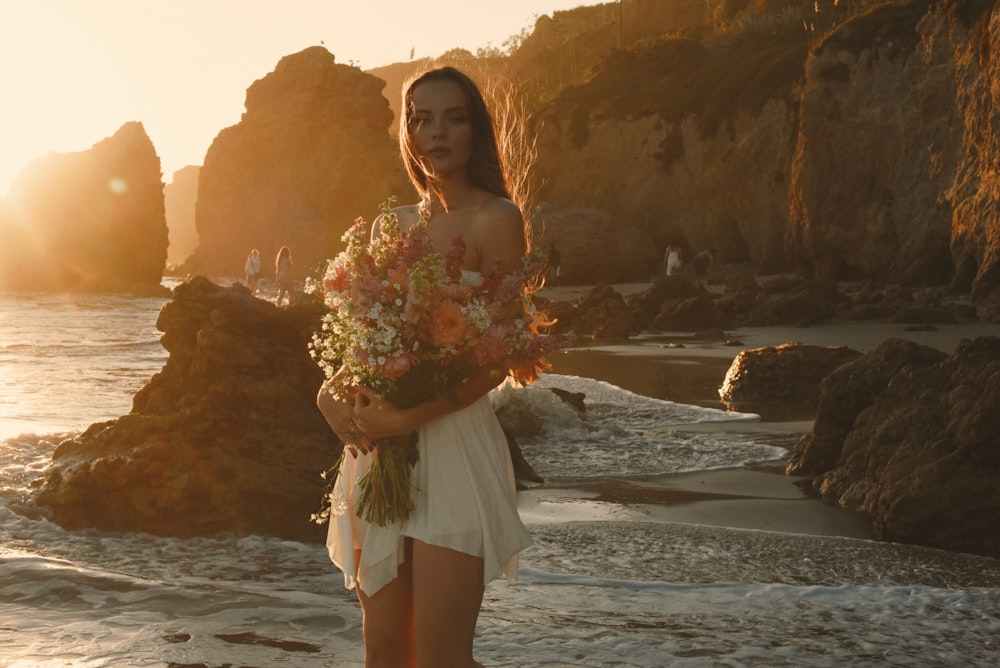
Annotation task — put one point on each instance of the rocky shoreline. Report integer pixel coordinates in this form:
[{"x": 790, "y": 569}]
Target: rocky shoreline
[{"x": 226, "y": 438}]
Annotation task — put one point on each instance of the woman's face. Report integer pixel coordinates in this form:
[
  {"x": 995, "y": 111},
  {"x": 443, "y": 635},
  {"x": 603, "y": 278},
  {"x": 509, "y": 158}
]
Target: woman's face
[{"x": 440, "y": 128}]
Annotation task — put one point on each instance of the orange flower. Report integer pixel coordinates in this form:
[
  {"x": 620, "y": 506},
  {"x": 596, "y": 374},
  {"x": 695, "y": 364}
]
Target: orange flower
[
  {"x": 448, "y": 324},
  {"x": 398, "y": 276}
]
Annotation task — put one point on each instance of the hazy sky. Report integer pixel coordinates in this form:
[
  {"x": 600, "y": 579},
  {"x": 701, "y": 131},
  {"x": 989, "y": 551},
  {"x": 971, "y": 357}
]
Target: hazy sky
[{"x": 73, "y": 71}]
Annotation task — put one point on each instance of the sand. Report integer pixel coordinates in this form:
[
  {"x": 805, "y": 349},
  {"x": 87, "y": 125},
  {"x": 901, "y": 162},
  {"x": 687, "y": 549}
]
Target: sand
[{"x": 676, "y": 367}]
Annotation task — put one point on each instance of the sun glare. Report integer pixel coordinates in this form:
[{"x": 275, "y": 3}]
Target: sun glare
[
  {"x": 61, "y": 101},
  {"x": 72, "y": 73}
]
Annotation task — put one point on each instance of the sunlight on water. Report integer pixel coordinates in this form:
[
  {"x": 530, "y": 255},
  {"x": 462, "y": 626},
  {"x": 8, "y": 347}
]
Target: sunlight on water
[
  {"x": 602, "y": 585},
  {"x": 69, "y": 361}
]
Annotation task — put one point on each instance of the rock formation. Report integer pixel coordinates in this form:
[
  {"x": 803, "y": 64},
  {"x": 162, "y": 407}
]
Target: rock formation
[
  {"x": 311, "y": 153},
  {"x": 179, "y": 198},
  {"x": 788, "y": 374},
  {"x": 879, "y": 142},
  {"x": 864, "y": 151},
  {"x": 225, "y": 438},
  {"x": 908, "y": 435},
  {"x": 87, "y": 221},
  {"x": 645, "y": 143}
]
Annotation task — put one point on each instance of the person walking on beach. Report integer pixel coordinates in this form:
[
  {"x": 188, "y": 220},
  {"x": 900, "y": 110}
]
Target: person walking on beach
[
  {"x": 283, "y": 274},
  {"x": 672, "y": 259},
  {"x": 700, "y": 264},
  {"x": 252, "y": 270},
  {"x": 554, "y": 260},
  {"x": 421, "y": 580}
]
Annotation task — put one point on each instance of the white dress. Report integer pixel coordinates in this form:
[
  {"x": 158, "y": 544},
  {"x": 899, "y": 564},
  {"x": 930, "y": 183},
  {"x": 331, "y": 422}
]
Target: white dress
[{"x": 464, "y": 500}]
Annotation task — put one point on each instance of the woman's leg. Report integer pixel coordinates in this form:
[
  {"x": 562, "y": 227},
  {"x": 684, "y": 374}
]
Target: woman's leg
[
  {"x": 388, "y": 621},
  {"x": 447, "y": 595}
]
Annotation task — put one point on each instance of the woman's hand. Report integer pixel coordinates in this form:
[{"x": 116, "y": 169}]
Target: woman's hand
[
  {"x": 377, "y": 417},
  {"x": 339, "y": 414}
]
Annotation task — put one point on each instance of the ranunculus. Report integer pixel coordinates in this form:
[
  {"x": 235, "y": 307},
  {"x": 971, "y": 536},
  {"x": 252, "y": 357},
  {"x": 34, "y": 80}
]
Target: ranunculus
[
  {"x": 396, "y": 365},
  {"x": 491, "y": 348},
  {"x": 448, "y": 324}
]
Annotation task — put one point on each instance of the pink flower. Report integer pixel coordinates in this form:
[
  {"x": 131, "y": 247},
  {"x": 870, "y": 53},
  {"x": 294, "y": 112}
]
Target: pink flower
[
  {"x": 396, "y": 365},
  {"x": 490, "y": 348},
  {"x": 448, "y": 324}
]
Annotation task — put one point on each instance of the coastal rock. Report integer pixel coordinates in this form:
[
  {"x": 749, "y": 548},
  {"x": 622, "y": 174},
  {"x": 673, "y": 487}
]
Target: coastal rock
[
  {"x": 789, "y": 374},
  {"x": 844, "y": 393},
  {"x": 311, "y": 153},
  {"x": 87, "y": 221},
  {"x": 225, "y": 438},
  {"x": 692, "y": 315},
  {"x": 602, "y": 314},
  {"x": 921, "y": 458},
  {"x": 179, "y": 197}
]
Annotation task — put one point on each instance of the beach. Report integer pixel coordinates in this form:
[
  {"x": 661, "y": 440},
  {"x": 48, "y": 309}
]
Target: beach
[
  {"x": 665, "y": 532},
  {"x": 677, "y": 367}
]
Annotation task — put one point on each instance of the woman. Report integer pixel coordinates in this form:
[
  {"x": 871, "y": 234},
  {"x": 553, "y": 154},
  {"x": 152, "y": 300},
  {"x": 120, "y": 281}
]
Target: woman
[
  {"x": 283, "y": 274},
  {"x": 421, "y": 582},
  {"x": 252, "y": 269}
]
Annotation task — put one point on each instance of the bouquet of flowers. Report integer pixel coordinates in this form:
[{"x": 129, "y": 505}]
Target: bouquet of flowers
[{"x": 408, "y": 323}]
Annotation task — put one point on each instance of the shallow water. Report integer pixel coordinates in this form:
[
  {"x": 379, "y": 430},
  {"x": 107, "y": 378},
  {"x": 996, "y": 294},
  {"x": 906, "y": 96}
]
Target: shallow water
[{"x": 605, "y": 583}]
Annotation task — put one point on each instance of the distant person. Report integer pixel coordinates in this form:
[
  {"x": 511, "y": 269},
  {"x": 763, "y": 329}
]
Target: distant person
[
  {"x": 252, "y": 270},
  {"x": 553, "y": 262},
  {"x": 283, "y": 274},
  {"x": 700, "y": 264},
  {"x": 672, "y": 259}
]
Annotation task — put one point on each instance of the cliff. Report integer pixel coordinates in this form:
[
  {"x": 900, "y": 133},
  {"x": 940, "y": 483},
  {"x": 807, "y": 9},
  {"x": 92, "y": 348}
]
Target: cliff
[
  {"x": 89, "y": 220},
  {"x": 179, "y": 198},
  {"x": 863, "y": 151},
  {"x": 310, "y": 154},
  {"x": 689, "y": 142}
]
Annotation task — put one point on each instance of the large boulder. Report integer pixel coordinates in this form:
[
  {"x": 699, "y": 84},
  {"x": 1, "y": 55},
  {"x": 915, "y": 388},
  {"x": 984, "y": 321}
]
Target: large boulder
[
  {"x": 225, "y": 438},
  {"x": 789, "y": 374},
  {"x": 87, "y": 221},
  {"x": 311, "y": 153},
  {"x": 600, "y": 314},
  {"x": 844, "y": 393},
  {"x": 922, "y": 459}
]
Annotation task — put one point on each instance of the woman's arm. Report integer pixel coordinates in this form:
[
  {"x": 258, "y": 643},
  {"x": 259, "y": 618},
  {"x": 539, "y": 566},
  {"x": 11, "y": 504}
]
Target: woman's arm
[
  {"x": 377, "y": 418},
  {"x": 498, "y": 237}
]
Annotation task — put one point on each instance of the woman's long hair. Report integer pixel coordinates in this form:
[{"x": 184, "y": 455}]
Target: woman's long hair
[
  {"x": 503, "y": 150},
  {"x": 283, "y": 252},
  {"x": 503, "y": 154}
]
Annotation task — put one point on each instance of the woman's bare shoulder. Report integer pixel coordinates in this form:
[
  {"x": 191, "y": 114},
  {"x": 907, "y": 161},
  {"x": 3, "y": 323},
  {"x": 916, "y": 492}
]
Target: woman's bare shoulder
[
  {"x": 501, "y": 211},
  {"x": 499, "y": 233}
]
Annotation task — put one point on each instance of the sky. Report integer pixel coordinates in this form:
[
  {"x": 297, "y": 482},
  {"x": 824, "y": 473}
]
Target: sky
[{"x": 72, "y": 72}]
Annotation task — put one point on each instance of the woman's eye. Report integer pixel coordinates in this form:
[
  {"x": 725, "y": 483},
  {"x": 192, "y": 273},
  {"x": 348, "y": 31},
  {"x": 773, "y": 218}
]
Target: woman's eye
[{"x": 458, "y": 119}]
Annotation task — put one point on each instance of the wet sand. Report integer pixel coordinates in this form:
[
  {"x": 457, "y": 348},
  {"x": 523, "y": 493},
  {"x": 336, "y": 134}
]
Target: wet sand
[{"x": 676, "y": 367}]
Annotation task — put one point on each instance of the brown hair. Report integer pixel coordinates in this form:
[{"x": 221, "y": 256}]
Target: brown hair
[{"x": 484, "y": 168}]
